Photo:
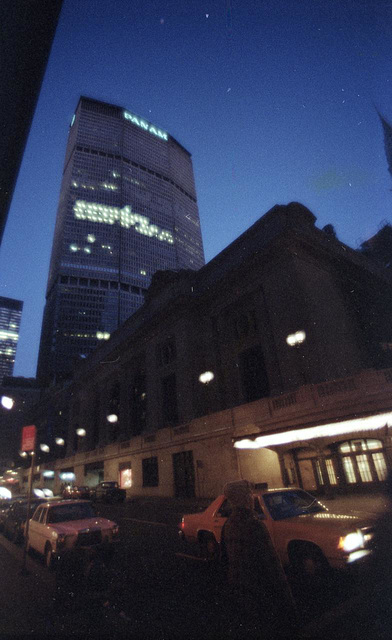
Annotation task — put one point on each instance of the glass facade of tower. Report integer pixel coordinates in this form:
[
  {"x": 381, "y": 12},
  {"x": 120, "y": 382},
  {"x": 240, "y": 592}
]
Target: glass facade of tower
[
  {"x": 10, "y": 316},
  {"x": 127, "y": 209}
]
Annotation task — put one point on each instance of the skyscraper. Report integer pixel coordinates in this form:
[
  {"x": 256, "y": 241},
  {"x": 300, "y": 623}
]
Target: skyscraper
[
  {"x": 127, "y": 208},
  {"x": 10, "y": 316}
]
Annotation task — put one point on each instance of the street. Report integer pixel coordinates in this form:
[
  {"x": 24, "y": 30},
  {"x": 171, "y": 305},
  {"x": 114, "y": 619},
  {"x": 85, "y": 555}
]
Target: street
[{"x": 161, "y": 590}]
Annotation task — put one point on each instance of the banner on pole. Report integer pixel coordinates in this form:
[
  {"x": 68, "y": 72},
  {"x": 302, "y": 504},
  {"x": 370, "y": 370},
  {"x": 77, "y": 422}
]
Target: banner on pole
[{"x": 28, "y": 438}]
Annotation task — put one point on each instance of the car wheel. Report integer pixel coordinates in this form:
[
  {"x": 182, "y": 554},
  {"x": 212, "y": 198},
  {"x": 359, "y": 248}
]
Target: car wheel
[
  {"x": 48, "y": 555},
  {"x": 209, "y": 548},
  {"x": 308, "y": 561}
]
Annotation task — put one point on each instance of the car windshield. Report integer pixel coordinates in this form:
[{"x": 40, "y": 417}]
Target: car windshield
[
  {"x": 288, "y": 504},
  {"x": 67, "y": 512}
]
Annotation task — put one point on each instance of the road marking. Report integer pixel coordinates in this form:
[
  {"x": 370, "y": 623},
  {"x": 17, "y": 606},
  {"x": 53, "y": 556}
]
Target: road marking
[{"x": 158, "y": 524}]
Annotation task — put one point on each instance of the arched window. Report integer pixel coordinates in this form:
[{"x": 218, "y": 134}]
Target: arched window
[{"x": 363, "y": 461}]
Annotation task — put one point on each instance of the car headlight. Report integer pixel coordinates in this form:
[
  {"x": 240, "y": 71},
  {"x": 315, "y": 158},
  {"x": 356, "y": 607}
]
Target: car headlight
[
  {"x": 60, "y": 541},
  {"x": 352, "y": 541}
]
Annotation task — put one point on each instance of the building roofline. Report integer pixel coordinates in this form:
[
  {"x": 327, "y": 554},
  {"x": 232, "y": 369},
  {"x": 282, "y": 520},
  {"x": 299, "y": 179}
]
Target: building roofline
[{"x": 119, "y": 108}]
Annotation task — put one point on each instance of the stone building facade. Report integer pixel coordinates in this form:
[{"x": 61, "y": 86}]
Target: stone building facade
[{"x": 292, "y": 330}]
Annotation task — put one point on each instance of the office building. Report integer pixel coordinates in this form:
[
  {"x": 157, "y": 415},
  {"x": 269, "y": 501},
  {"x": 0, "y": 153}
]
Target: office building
[
  {"x": 127, "y": 208},
  {"x": 10, "y": 316}
]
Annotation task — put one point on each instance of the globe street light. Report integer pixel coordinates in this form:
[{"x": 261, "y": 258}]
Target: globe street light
[
  {"x": 7, "y": 402},
  {"x": 295, "y": 339},
  {"x": 206, "y": 377}
]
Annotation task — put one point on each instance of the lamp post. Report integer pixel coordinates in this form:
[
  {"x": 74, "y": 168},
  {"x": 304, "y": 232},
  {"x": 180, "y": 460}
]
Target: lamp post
[
  {"x": 29, "y": 435},
  {"x": 295, "y": 340}
]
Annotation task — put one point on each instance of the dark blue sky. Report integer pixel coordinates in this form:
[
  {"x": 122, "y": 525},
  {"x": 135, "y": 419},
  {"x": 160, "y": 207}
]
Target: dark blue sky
[{"x": 275, "y": 99}]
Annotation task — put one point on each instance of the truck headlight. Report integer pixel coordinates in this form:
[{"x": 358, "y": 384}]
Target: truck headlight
[{"x": 352, "y": 541}]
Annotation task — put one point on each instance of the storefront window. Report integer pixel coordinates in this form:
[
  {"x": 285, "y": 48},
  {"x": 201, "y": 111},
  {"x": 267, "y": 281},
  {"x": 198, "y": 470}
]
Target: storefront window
[
  {"x": 331, "y": 471},
  {"x": 364, "y": 469},
  {"x": 349, "y": 470},
  {"x": 380, "y": 465},
  {"x": 319, "y": 472},
  {"x": 126, "y": 478}
]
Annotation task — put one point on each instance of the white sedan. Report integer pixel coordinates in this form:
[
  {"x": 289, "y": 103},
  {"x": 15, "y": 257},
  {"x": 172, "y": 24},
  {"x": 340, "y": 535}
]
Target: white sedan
[{"x": 62, "y": 525}]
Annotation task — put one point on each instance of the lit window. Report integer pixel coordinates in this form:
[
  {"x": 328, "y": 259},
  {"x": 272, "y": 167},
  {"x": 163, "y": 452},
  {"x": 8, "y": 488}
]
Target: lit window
[
  {"x": 349, "y": 472},
  {"x": 364, "y": 469},
  {"x": 373, "y": 444},
  {"x": 126, "y": 478},
  {"x": 330, "y": 471},
  {"x": 381, "y": 467},
  {"x": 319, "y": 473}
]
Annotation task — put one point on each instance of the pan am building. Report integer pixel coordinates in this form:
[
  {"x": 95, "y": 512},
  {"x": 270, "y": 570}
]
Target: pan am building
[{"x": 127, "y": 208}]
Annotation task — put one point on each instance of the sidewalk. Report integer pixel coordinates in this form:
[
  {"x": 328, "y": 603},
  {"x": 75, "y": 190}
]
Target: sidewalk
[{"x": 26, "y": 599}]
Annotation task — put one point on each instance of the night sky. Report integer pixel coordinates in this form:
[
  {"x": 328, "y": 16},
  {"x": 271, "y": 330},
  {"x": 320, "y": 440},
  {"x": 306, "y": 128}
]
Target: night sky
[{"x": 275, "y": 99}]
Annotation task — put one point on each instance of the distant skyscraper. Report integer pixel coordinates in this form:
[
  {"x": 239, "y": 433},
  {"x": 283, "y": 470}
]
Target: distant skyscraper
[
  {"x": 10, "y": 315},
  {"x": 127, "y": 209}
]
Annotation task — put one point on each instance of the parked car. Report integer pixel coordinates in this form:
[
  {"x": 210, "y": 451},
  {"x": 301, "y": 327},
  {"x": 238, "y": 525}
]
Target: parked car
[
  {"x": 16, "y": 517},
  {"x": 306, "y": 535},
  {"x": 82, "y": 492},
  {"x": 109, "y": 492},
  {"x": 61, "y": 525},
  {"x": 4, "y": 507}
]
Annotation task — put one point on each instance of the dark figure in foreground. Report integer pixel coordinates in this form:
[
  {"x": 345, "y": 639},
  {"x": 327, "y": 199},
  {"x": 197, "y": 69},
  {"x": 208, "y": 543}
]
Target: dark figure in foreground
[{"x": 260, "y": 592}]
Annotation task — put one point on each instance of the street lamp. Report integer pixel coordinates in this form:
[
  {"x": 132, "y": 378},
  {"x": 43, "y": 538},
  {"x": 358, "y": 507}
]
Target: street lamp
[
  {"x": 295, "y": 339},
  {"x": 7, "y": 402},
  {"x": 112, "y": 417},
  {"x": 206, "y": 377},
  {"x": 60, "y": 442},
  {"x": 44, "y": 447},
  {"x": 80, "y": 432}
]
